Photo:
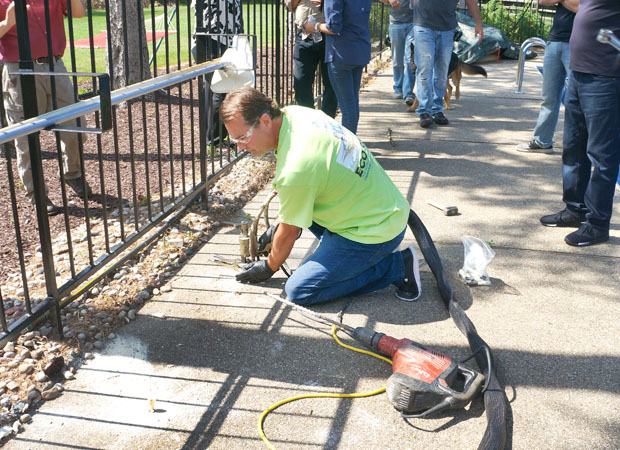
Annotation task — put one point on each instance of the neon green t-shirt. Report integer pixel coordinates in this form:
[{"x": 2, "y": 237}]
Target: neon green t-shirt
[{"x": 325, "y": 174}]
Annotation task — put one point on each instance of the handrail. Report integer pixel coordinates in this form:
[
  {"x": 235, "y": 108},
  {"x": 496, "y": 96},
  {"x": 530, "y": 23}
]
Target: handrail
[
  {"x": 79, "y": 109},
  {"x": 525, "y": 47}
]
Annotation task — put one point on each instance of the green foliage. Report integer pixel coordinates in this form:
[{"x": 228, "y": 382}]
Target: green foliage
[
  {"x": 379, "y": 22},
  {"x": 518, "y": 22}
]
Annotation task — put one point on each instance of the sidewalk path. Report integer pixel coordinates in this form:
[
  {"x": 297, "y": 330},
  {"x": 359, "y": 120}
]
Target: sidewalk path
[{"x": 215, "y": 353}]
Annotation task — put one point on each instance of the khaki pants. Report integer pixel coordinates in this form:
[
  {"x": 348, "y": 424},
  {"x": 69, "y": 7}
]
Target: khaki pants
[{"x": 11, "y": 88}]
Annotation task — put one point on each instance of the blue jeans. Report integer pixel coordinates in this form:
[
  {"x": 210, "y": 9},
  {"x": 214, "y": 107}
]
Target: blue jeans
[
  {"x": 555, "y": 71},
  {"x": 346, "y": 80},
  {"x": 401, "y": 35},
  {"x": 591, "y": 140},
  {"x": 340, "y": 267},
  {"x": 433, "y": 50}
]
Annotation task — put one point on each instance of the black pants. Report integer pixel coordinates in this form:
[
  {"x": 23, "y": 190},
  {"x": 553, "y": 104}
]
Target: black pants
[
  {"x": 307, "y": 55},
  {"x": 215, "y": 130}
]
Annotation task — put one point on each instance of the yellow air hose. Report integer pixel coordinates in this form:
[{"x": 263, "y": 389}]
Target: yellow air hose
[{"x": 262, "y": 417}]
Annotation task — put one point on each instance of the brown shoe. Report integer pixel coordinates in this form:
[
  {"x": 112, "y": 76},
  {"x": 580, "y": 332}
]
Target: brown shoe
[{"x": 80, "y": 186}]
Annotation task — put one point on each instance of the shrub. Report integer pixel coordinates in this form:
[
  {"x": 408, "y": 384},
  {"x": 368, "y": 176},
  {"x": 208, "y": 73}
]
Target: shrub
[{"x": 518, "y": 22}]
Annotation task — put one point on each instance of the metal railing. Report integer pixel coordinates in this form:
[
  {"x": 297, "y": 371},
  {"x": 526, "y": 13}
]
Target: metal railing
[
  {"x": 144, "y": 172},
  {"x": 526, "y": 47}
]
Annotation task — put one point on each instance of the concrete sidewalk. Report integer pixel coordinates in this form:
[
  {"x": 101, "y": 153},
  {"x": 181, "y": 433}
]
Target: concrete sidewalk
[{"x": 215, "y": 353}]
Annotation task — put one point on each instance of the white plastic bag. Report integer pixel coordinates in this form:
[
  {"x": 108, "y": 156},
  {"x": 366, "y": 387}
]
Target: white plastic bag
[
  {"x": 478, "y": 255},
  {"x": 240, "y": 55}
]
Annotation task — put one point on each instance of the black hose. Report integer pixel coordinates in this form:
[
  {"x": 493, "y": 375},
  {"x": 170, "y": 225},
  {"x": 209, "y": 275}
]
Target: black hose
[{"x": 495, "y": 402}]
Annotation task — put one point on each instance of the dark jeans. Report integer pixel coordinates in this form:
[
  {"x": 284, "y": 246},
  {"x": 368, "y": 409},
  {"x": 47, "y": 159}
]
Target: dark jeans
[
  {"x": 346, "y": 80},
  {"x": 591, "y": 141},
  {"x": 307, "y": 55},
  {"x": 215, "y": 129}
]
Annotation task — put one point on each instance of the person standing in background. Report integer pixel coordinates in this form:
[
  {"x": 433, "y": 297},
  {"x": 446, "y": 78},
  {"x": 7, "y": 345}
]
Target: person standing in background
[
  {"x": 223, "y": 17},
  {"x": 12, "y": 92},
  {"x": 401, "y": 36},
  {"x": 308, "y": 53},
  {"x": 347, "y": 51},
  {"x": 555, "y": 71},
  {"x": 434, "y": 24},
  {"x": 591, "y": 154}
]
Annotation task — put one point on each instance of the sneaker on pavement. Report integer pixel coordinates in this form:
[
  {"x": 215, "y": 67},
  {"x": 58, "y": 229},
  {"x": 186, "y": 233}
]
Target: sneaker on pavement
[
  {"x": 426, "y": 120},
  {"x": 409, "y": 101},
  {"x": 77, "y": 186},
  {"x": 397, "y": 94},
  {"x": 411, "y": 288},
  {"x": 440, "y": 119},
  {"x": 564, "y": 218},
  {"x": 534, "y": 147},
  {"x": 587, "y": 234}
]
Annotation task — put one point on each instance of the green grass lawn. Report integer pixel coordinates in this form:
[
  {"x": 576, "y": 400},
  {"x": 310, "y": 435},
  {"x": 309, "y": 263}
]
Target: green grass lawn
[{"x": 83, "y": 55}]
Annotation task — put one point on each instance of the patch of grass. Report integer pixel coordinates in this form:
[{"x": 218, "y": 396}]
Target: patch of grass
[{"x": 258, "y": 19}]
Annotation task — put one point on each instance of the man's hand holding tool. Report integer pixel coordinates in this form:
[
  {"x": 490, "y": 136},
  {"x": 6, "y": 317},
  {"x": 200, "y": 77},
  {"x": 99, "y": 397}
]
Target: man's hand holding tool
[{"x": 255, "y": 272}]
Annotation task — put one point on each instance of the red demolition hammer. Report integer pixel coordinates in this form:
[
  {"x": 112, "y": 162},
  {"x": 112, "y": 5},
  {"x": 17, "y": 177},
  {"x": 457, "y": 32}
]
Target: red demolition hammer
[{"x": 423, "y": 381}]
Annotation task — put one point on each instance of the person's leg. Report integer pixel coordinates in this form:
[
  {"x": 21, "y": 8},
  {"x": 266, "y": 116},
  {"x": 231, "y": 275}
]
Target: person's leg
[
  {"x": 443, "y": 52},
  {"x": 342, "y": 79},
  {"x": 600, "y": 103},
  {"x": 215, "y": 130},
  {"x": 424, "y": 56},
  {"x": 554, "y": 75},
  {"x": 69, "y": 141},
  {"x": 409, "y": 75},
  {"x": 305, "y": 60},
  {"x": 357, "y": 72},
  {"x": 575, "y": 163},
  {"x": 398, "y": 35},
  {"x": 13, "y": 105},
  {"x": 330, "y": 103},
  {"x": 342, "y": 267}
]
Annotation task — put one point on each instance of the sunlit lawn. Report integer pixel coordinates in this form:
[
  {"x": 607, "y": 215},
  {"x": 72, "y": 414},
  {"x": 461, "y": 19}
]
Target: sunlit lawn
[{"x": 178, "y": 42}]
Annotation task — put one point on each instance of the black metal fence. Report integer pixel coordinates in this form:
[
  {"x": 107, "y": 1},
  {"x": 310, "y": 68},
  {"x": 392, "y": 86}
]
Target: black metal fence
[
  {"x": 124, "y": 61},
  {"x": 153, "y": 162}
]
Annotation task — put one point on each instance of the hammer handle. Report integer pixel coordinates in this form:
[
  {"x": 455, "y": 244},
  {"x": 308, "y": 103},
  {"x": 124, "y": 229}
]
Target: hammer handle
[{"x": 436, "y": 205}]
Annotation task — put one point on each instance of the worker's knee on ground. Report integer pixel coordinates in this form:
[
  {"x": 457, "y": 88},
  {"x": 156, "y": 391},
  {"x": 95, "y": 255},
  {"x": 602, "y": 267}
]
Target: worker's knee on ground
[{"x": 298, "y": 293}]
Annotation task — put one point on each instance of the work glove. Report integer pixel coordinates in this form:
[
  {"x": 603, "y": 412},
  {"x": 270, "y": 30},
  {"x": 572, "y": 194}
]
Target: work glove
[
  {"x": 265, "y": 240},
  {"x": 255, "y": 272}
]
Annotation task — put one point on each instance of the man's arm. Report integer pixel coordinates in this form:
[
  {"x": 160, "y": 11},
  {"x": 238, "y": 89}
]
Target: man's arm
[
  {"x": 9, "y": 20},
  {"x": 282, "y": 244},
  {"x": 291, "y": 5},
  {"x": 571, "y": 5},
  {"x": 472, "y": 6},
  {"x": 393, "y": 3},
  {"x": 77, "y": 9}
]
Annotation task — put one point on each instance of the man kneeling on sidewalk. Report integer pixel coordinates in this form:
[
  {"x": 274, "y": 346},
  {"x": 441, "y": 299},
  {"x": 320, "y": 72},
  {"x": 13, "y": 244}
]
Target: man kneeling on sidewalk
[{"x": 330, "y": 183}]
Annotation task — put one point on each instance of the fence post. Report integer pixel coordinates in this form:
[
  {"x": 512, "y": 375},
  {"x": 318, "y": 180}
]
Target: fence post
[
  {"x": 29, "y": 102},
  {"x": 201, "y": 56},
  {"x": 277, "y": 54}
]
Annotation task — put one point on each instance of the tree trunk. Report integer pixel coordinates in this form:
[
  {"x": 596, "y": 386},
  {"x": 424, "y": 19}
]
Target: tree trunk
[{"x": 126, "y": 68}]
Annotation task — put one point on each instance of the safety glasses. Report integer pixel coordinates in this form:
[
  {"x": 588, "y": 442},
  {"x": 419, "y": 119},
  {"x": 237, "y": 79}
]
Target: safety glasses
[{"x": 246, "y": 137}]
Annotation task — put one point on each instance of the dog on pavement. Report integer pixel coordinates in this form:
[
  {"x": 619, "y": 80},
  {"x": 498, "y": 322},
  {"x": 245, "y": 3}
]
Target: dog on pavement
[{"x": 456, "y": 69}]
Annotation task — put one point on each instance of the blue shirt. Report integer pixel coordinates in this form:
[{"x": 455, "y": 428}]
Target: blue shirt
[{"x": 348, "y": 20}]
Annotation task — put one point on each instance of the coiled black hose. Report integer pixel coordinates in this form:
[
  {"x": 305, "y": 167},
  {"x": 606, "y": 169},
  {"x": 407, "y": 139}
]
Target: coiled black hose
[{"x": 495, "y": 402}]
